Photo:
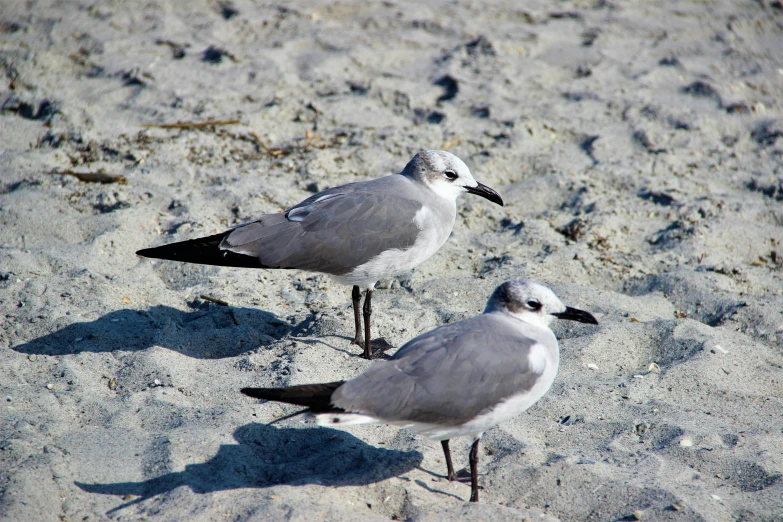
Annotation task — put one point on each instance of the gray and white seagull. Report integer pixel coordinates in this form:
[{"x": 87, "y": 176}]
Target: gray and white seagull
[
  {"x": 357, "y": 233},
  {"x": 457, "y": 380}
]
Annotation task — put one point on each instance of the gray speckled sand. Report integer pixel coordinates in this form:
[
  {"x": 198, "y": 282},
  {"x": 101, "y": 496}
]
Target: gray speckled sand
[{"x": 638, "y": 146}]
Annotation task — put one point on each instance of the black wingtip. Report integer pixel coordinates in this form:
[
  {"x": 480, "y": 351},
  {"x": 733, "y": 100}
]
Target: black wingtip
[
  {"x": 317, "y": 397},
  {"x": 256, "y": 393},
  {"x": 202, "y": 251}
]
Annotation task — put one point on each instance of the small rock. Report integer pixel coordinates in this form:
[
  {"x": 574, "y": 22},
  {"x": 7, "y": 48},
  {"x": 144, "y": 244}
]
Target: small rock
[
  {"x": 678, "y": 506},
  {"x": 156, "y": 382},
  {"x": 592, "y": 366},
  {"x": 638, "y": 514},
  {"x": 686, "y": 443},
  {"x": 49, "y": 386}
]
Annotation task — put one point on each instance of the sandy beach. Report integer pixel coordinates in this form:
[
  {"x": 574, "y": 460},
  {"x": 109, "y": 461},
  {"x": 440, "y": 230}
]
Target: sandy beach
[{"x": 638, "y": 147}]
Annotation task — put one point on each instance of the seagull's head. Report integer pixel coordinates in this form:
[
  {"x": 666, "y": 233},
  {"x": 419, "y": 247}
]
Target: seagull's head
[
  {"x": 533, "y": 303},
  {"x": 447, "y": 176}
]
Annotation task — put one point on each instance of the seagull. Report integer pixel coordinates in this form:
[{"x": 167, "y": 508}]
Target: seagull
[
  {"x": 457, "y": 380},
  {"x": 357, "y": 233}
]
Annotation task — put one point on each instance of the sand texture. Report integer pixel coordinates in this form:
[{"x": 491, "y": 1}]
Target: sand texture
[{"x": 638, "y": 146}]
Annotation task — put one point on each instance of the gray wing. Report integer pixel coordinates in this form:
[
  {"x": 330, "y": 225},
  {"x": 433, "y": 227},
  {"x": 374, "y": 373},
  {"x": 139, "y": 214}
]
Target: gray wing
[
  {"x": 446, "y": 376},
  {"x": 335, "y": 230}
]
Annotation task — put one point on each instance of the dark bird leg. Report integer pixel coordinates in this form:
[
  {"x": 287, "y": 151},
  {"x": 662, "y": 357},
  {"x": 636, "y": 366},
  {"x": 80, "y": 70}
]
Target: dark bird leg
[
  {"x": 373, "y": 348},
  {"x": 367, "y": 313},
  {"x": 449, "y": 466},
  {"x": 356, "y": 297},
  {"x": 474, "y": 471}
]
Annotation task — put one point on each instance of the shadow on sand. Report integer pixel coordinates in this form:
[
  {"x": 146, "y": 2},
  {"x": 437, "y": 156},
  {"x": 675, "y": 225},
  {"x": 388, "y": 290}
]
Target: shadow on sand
[
  {"x": 268, "y": 456},
  {"x": 208, "y": 331}
]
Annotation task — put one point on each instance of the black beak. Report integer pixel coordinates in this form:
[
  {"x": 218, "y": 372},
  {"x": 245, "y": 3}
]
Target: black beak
[
  {"x": 486, "y": 192},
  {"x": 576, "y": 315}
]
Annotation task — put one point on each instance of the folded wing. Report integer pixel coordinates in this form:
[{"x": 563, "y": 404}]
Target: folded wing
[
  {"x": 331, "y": 232},
  {"x": 444, "y": 377}
]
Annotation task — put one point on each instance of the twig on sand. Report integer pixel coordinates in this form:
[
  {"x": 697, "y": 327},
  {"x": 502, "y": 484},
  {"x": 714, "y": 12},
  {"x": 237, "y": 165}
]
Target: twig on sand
[
  {"x": 91, "y": 177},
  {"x": 215, "y": 300},
  {"x": 308, "y": 142},
  {"x": 191, "y": 124},
  {"x": 451, "y": 143},
  {"x": 262, "y": 145}
]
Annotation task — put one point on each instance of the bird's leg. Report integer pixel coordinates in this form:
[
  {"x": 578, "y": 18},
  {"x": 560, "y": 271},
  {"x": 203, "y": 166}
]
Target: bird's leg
[
  {"x": 474, "y": 471},
  {"x": 367, "y": 313},
  {"x": 449, "y": 466},
  {"x": 373, "y": 349},
  {"x": 356, "y": 297}
]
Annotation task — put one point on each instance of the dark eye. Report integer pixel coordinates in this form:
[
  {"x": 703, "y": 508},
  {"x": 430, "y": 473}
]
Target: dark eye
[
  {"x": 534, "y": 305},
  {"x": 450, "y": 175}
]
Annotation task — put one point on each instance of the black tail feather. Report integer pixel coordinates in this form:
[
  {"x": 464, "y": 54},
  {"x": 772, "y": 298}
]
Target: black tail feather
[
  {"x": 317, "y": 397},
  {"x": 203, "y": 251}
]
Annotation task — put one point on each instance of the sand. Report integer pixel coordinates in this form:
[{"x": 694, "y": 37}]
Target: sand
[{"x": 639, "y": 148}]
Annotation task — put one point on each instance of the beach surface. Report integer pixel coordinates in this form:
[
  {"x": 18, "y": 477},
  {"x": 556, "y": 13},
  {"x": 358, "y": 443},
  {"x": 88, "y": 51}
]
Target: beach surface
[{"x": 639, "y": 149}]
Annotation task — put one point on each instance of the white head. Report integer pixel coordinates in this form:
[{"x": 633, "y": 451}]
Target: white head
[
  {"x": 533, "y": 303},
  {"x": 446, "y": 175}
]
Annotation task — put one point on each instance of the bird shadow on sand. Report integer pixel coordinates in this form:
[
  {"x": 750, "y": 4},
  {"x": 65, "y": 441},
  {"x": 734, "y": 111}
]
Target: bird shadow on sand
[
  {"x": 268, "y": 456},
  {"x": 206, "y": 331}
]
